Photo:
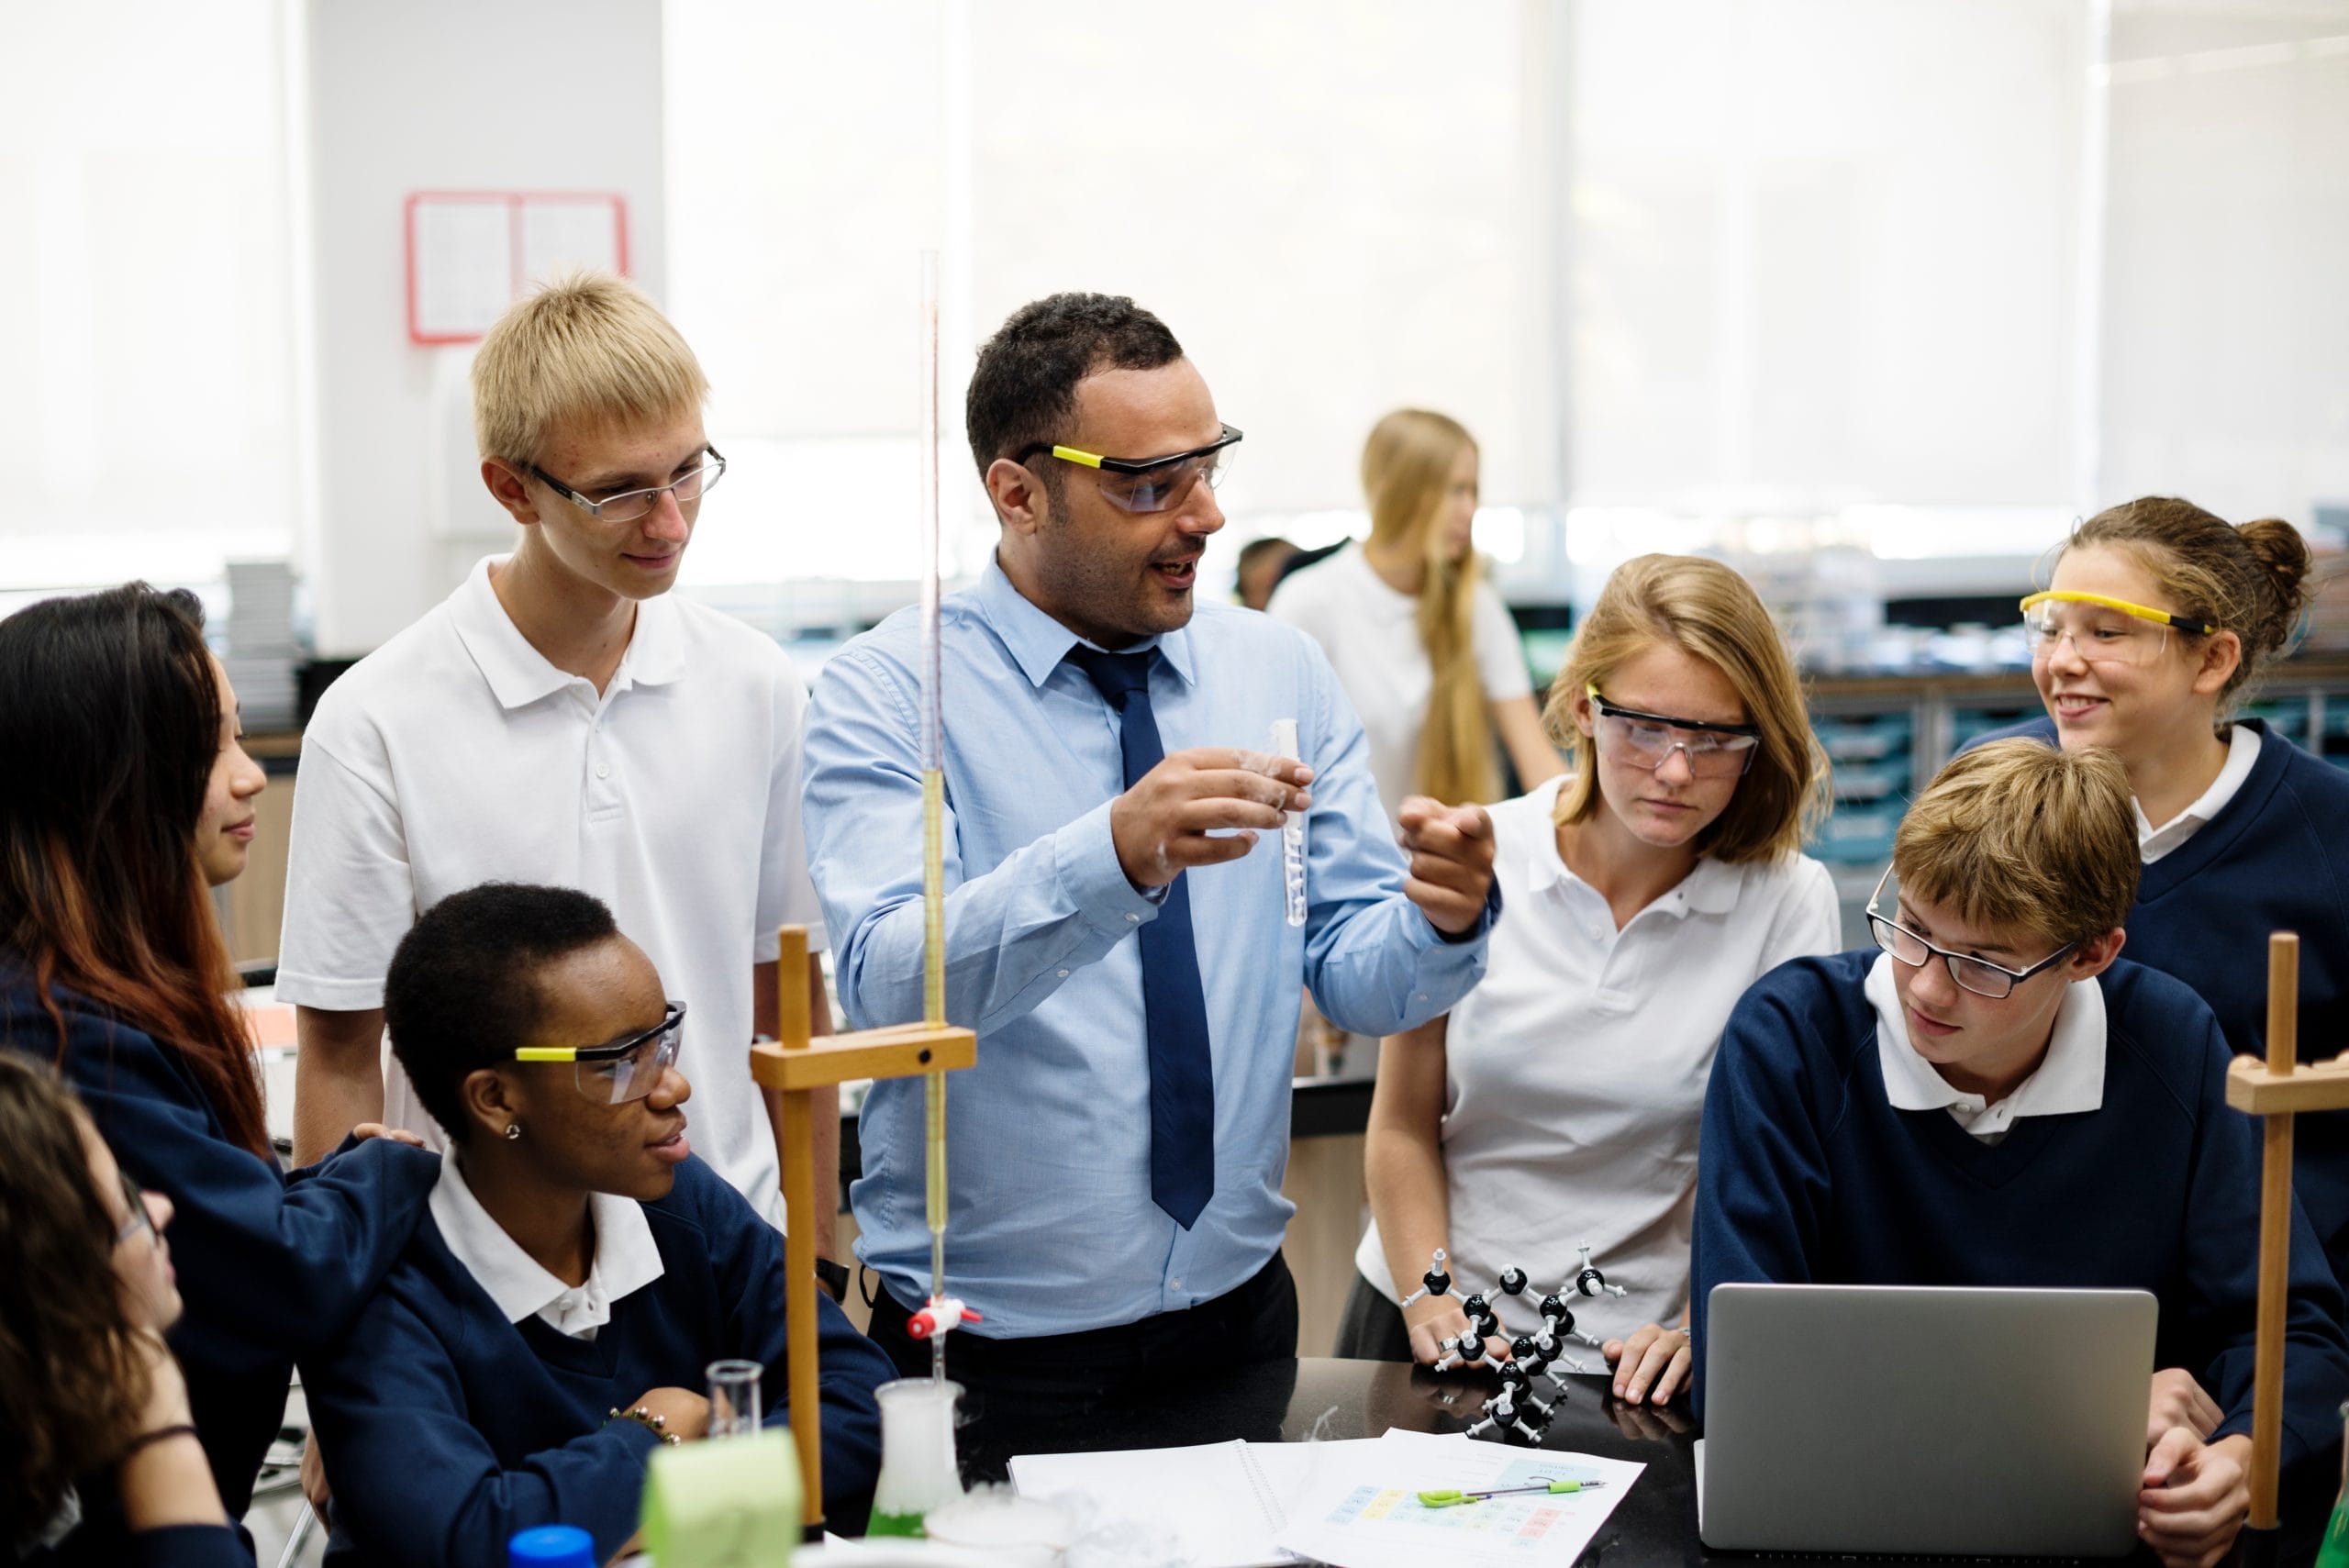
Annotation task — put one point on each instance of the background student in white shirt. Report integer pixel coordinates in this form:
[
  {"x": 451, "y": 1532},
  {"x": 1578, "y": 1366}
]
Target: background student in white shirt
[
  {"x": 1421, "y": 642},
  {"x": 1558, "y": 1102},
  {"x": 563, "y": 719}
]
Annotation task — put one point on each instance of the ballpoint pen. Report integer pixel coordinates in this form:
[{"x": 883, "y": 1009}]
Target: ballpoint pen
[{"x": 1452, "y": 1497}]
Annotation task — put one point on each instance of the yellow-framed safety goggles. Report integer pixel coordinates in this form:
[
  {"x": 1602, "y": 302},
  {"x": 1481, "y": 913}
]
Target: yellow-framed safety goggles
[
  {"x": 2104, "y": 630},
  {"x": 1149, "y": 483},
  {"x": 622, "y": 1069},
  {"x": 2143, "y": 612}
]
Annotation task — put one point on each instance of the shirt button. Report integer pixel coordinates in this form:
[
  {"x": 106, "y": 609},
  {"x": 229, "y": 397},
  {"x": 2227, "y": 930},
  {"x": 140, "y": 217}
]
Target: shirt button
[
  {"x": 1133, "y": 919},
  {"x": 1423, "y": 996},
  {"x": 602, "y": 769},
  {"x": 1061, "y": 974},
  {"x": 1175, "y": 1284}
]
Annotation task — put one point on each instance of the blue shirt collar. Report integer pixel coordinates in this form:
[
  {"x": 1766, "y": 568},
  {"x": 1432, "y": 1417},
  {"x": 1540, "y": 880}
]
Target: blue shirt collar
[{"x": 1038, "y": 643}]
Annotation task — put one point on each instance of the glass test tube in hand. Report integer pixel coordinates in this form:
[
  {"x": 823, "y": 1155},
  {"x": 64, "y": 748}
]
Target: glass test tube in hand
[
  {"x": 735, "y": 1398},
  {"x": 1292, "y": 830}
]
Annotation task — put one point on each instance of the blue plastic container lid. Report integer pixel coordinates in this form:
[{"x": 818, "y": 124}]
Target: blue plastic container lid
[{"x": 551, "y": 1546}]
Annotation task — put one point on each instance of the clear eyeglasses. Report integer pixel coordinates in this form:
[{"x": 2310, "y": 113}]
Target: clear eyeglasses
[
  {"x": 630, "y": 505},
  {"x": 1978, "y": 975}
]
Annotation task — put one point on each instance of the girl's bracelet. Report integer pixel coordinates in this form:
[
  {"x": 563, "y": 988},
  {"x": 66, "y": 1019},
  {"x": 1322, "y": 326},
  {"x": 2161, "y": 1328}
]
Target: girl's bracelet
[{"x": 657, "y": 1425}]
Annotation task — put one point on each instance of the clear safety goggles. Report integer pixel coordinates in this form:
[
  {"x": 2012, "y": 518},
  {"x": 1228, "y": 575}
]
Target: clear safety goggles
[
  {"x": 627, "y": 1068},
  {"x": 1154, "y": 483},
  {"x": 2102, "y": 630},
  {"x": 1645, "y": 740}
]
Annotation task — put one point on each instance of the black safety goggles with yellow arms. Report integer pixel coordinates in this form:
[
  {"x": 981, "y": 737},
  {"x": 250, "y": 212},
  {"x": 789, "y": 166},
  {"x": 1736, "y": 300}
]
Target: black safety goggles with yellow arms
[
  {"x": 625, "y": 1069},
  {"x": 1148, "y": 484}
]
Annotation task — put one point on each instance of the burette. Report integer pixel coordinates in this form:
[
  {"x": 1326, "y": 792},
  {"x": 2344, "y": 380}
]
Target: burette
[{"x": 933, "y": 809}]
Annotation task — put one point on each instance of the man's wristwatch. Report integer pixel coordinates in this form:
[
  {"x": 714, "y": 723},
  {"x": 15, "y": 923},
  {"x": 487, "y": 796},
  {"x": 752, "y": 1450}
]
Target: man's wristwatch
[{"x": 833, "y": 1277}]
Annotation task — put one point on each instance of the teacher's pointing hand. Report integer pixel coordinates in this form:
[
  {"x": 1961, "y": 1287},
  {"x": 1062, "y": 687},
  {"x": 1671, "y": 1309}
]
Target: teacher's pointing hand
[{"x": 1451, "y": 848}]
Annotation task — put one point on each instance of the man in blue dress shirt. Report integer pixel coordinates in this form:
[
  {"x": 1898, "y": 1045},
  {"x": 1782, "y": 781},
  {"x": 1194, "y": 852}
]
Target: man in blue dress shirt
[{"x": 1115, "y": 916}]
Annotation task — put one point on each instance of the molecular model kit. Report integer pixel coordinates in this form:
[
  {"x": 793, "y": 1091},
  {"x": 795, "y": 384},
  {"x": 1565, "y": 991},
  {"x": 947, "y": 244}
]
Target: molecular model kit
[{"x": 1516, "y": 1413}]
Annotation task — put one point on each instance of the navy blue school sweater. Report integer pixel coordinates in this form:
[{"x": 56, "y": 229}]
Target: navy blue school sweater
[
  {"x": 173, "y": 1546},
  {"x": 271, "y": 1266},
  {"x": 445, "y": 1429},
  {"x": 2275, "y": 859},
  {"x": 1807, "y": 1174}
]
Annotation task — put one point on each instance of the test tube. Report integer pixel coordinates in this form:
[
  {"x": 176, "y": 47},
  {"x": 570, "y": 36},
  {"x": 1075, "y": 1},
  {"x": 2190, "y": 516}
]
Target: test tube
[
  {"x": 734, "y": 1397},
  {"x": 1292, "y": 830}
]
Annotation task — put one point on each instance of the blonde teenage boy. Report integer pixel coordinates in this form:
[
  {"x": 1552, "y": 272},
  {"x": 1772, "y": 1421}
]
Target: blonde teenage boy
[
  {"x": 563, "y": 719},
  {"x": 1996, "y": 1098}
]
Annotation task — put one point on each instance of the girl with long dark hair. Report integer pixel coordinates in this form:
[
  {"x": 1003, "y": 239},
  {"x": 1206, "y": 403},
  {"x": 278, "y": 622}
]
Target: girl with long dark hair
[{"x": 124, "y": 797}]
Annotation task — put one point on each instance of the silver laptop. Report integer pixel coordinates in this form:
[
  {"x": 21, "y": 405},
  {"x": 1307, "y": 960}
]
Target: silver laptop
[{"x": 1897, "y": 1419}]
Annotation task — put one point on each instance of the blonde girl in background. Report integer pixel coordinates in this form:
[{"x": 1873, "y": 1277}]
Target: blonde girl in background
[
  {"x": 1558, "y": 1102},
  {"x": 1421, "y": 642}
]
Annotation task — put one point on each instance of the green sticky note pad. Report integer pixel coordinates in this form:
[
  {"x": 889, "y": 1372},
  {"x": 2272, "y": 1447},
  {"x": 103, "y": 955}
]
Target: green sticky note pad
[{"x": 733, "y": 1502}]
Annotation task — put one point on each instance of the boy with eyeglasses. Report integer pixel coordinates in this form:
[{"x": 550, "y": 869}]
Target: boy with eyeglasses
[
  {"x": 562, "y": 717},
  {"x": 549, "y": 1323},
  {"x": 1991, "y": 1096}
]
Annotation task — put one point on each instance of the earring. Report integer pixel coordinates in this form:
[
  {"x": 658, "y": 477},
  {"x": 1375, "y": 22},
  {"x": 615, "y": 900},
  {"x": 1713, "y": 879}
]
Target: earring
[{"x": 513, "y": 1130}]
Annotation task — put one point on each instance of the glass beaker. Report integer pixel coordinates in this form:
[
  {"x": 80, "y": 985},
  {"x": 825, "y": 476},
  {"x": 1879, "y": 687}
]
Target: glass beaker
[
  {"x": 917, "y": 1467},
  {"x": 735, "y": 1398}
]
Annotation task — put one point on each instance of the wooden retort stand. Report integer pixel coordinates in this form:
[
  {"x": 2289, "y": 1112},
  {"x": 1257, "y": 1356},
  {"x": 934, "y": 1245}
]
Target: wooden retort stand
[
  {"x": 795, "y": 1065},
  {"x": 2275, "y": 1090}
]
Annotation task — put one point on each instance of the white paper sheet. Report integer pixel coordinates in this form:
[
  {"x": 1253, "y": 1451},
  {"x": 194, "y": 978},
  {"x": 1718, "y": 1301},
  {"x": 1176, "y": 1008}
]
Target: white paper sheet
[{"x": 1368, "y": 1515}]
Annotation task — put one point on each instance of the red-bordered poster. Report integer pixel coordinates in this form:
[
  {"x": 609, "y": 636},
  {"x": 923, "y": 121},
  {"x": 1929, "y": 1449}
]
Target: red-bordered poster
[{"x": 472, "y": 253}]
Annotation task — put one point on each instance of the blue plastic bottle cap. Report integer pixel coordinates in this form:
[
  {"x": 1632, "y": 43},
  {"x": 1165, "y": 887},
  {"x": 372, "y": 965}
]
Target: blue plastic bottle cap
[{"x": 551, "y": 1546}]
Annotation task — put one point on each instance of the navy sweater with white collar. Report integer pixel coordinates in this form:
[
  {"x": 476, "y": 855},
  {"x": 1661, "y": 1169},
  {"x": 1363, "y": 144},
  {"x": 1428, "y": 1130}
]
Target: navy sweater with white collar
[
  {"x": 271, "y": 1265},
  {"x": 1807, "y": 1174},
  {"x": 2274, "y": 858},
  {"x": 445, "y": 1429}
]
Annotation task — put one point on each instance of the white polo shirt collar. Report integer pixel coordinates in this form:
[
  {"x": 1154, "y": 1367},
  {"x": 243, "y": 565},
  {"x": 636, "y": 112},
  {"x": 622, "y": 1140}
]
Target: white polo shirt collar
[
  {"x": 2068, "y": 1080},
  {"x": 626, "y": 1259},
  {"x": 2242, "y": 754},
  {"x": 518, "y": 674}
]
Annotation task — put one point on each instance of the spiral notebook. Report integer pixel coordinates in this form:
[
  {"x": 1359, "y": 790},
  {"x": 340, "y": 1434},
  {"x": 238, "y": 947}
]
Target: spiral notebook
[{"x": 1213, "y": 1504}]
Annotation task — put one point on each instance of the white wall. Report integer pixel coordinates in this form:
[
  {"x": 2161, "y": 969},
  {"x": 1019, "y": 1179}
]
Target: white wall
[
  {"x": 1825, "y": 252},
  {"x": 448, "y": 94},
  {"x": 2226, "y": 340},
  {"x": 146, "y": 358}
]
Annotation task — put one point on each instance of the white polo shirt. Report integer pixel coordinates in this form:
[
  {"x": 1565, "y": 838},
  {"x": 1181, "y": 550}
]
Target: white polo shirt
[
  {"x": 455, "y": 755},
  {"x": 1371, "y": 636},
  {"x": 1576, "y": 1072}
]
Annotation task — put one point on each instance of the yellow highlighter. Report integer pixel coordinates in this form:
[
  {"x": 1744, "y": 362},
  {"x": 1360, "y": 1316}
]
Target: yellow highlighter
[{"x": 1453, "y": 1497}]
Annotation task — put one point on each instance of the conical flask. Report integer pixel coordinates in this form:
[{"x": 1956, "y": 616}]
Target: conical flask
[{"x": 917, "y": 1467}]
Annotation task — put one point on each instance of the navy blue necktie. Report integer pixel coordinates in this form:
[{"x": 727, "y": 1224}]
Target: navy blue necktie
[{"x": 1182, "y": 1072}]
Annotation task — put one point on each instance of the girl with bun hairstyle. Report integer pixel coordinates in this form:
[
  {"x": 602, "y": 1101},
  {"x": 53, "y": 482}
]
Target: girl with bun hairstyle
[{"x": 2159, "y": 620}]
